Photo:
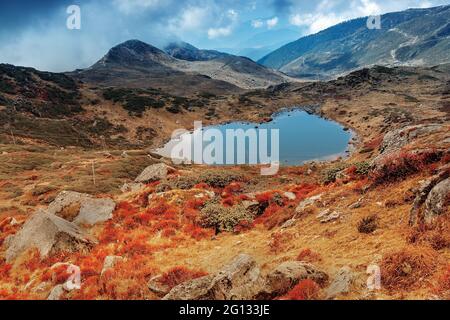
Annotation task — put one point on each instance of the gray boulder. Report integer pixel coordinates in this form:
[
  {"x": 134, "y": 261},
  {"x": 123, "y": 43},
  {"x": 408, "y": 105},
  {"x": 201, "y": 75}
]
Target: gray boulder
[
  {"x": 47, "y": 233},
  {"x": 437, "y": 201},
  {"x": 239, "y": 280},
  {"x": 153, "y": 173},
  {"x": 341, "y": 283},
  {"x": 287, "y": 275}
]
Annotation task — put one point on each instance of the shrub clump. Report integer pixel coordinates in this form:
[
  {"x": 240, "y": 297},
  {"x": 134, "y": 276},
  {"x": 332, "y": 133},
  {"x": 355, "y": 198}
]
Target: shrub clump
[
  {"x": 219, "y": 178},
  {"x": 214, "y": 215},
  {"x": 402, "y": 269},
  {"x": 368, "y": 224},
  {"x": 304, "y": 290}
]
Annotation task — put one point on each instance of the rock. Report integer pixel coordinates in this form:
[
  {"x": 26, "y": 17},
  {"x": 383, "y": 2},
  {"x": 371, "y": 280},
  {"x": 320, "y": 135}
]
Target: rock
[
  {"x": 307, "y": 202},
  {"x": 327, "y": 216},
  {"x": 153, "y": 173},
  {"x": 289, "y": 224},
  {"x": 82, "y": 208},
  {"x": 358, "y": 204},
  {"x": 156, "y": 286},
  {"x": 110, "y": 262},
  {"x": 132, "y": 187},
  {"x": 290, "y": 195},
  {"x": 396, "y": 139},
  {"x": 287, "y": 275},
  {"x": 47, "y": 232},
  {"x": 95, "y": 211},
  {"x": 239, "y": 280},
  {"x": 437, "y": 201},
  {"x": 56, "y": 293},
  {"x": 423, "y": 195},
  {"x": 341, "y": 283}
]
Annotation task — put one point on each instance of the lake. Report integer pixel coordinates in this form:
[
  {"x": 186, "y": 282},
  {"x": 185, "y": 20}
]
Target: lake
[{"x": 302, "y": 137}]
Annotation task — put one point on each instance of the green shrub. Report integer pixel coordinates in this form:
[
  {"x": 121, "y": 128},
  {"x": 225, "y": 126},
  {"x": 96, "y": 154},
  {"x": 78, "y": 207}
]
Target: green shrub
[{"x": 214, "y": 215}]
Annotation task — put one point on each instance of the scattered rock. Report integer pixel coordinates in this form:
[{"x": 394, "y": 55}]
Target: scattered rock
[
  {"x": 132, "y": 187},
  {"x": 306, "y": 203},
  {"x": 156, "y": 286},
  {"x": 358, "y": 204},
  {"x": 153, "y": 173},
  {"x": 82, "y": 208},
  {"x": 289, "y": 224},
  {"x": 287, "y": 275},
  {"x": 110, "y": 262},
  {"x": 437, "y": 200},
  {"x": 95, "y": 211},
  {"x": 56, "y": 292},
  {"x": 239, "y": 280},
  {"x": 329, "y": 216},
  {"x": 47, "y": 232},
  {"x": 290, "y": 195},
  {"x": 341, "y": 283}
]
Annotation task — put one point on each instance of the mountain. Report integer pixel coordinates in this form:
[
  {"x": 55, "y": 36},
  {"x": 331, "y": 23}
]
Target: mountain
[
  {"x": 419, "y": 37},
  {"x": 185, "y": 51},
  {"x": 239, "y": 71},
  {"x": 137, "y": 64}
]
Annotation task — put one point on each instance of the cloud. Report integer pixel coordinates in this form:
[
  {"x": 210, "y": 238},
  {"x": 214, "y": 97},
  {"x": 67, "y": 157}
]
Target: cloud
[
  {"x": 271, "y": 23},
  {"x": 257, "y": 24},
  {"x": 131, "y": 6},
  {"x": 231, "y": 18}
]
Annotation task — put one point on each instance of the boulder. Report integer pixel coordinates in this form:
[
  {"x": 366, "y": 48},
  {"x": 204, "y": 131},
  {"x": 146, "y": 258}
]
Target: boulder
[
  {"x": 132, "y": 187},
  {"x": 47, "y": 233},
  {"x": 110, "y": 262},
  {"x": 341, "y": 283},
  {"x": 396, "y": 139},
  {"x": 153, "y": 173},
  {"x": 287, "y": 275},
  {"x": 82, "y": 208},
  {"x": 239, "y": 280},
  {"x": 306, "y": 203},
  {"x": 56, "y": 292},
  {"x": 437, "y": 201},
  {"x": 155, "y": 285}
]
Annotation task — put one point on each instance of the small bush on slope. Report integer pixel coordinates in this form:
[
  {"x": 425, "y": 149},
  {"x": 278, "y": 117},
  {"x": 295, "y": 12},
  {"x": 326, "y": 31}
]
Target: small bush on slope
[{"x": 214, "y": 215}]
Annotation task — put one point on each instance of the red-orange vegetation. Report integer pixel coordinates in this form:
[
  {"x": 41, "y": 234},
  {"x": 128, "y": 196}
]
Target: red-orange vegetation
[
  {"x": 308, "y": 255},
  {"x": 402, "y": 269},
  {"x": 302, "y": 191},
  {"x": 304, "y": 290},
  {"x": 125, "y": 209},
  {"x": 178, "y": 275},
  {"x": 272, "y": 209},
  {"x": 197, "y": 232},
  {"x": 279, "y": 242},
  {"x": 443, "y": 283}
]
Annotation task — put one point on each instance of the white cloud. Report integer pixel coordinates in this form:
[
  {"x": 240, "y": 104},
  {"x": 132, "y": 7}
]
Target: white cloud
[
  {"x": 191, "y": 19},
  {"x": 315, "y": 22},
  {"x": 271, "y": 23},
  {"x": 231, "y": 17},
  {"x": 130, "y": 6},
  {"x": 257, "y": 24}
]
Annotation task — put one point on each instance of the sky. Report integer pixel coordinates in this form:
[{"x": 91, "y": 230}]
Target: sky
[{"x": 35, "y": 33}]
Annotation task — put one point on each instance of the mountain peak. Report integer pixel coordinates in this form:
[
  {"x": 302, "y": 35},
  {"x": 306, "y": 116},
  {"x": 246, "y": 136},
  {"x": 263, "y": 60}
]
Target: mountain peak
[
  {"x": 185, "y": 51},
  {"x": 134, "y": 52}
]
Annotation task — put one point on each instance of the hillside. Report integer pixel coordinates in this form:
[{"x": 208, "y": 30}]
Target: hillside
[
  {"x": 417, "y": 37},
  {"x": 309, "y": 232}
]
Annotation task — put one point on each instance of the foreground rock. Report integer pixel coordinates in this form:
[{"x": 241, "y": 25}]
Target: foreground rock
[
  {"x": 242, "y": 280},
  {"x": 341, "y": 283},
  {"x": 434, "y": 193},
  {"x": 47, "y": 233},
  {"x": 153, "y": 173},
  {"x": 287, "y": 275},
  {"x": 82, "y": 208},
  {"x": 239, "y": 280},
  {"x": 110, "y": 262}
]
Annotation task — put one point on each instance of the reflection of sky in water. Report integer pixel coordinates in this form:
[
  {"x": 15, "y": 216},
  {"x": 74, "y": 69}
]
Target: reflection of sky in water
[{"x": 303, "y": 137}]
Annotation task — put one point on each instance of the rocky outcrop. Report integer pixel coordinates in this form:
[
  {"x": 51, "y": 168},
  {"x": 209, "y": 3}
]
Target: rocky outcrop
[
  {"x": 307, "y": 203},
  {"x": 81, "y": 208},
  {"x": 341, "y": 283},
  {"x": 153, "y": 173},
  {"x": 396, "y": 139},
  {"x": 110, "y": 262},
  {"x": 56, "y": 293},
  {"x": 239, "y": 280},
  {"x": 437, "y": 201},
  {"x": 132, "y": 187},
  {"x": 47, "y": 233},
  {"x": 287, "y": 275},
  {"x": 434, "y": 193}
]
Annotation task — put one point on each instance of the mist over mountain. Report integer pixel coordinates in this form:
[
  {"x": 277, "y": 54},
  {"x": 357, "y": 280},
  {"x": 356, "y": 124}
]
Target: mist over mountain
[{"x": 417, "y": 37}]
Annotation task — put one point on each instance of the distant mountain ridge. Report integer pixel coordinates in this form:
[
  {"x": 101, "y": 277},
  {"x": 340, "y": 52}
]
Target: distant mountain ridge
[
  {"x": 183, "y": 69},
  {"x": 415, "y": 37}
]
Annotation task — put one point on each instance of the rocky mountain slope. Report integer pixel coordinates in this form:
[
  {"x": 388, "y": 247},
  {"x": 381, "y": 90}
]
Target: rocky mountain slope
[
  {"x": 413, "y": 37},
  {"x": 139, "y": 65}
]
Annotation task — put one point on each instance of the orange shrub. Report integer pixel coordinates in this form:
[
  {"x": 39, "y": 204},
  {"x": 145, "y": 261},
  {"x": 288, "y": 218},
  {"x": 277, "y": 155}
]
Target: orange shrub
[
  {"x": 443, "y": 285},
  {"x": 304, "y": 290},
  {"x": 308, "y": 255}
]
